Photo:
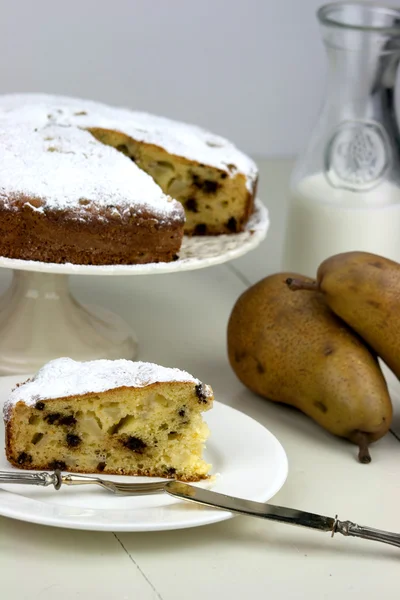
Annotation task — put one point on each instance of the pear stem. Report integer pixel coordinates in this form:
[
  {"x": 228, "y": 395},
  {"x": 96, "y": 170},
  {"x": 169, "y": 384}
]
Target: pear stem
[
  {"x": 299, "y": 284},
  {"x": 361, "y": 439}
]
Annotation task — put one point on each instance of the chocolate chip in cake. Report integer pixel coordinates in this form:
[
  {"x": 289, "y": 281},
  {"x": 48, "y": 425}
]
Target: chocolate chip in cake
[
  {"x": 182, "y": 412},
  {"x": 52, "y": 418},
  {"x": 135, "y": 444},
  {"x": 201, "y": 393},
  {"x": 175, "y": 257},
  {"x": 73, "y": 440},
  {"x": 24, "y": 458},
  {"x": 200, "y": 229},
  {"x": 67, "y": 420},
  {"x": 101, "y": 466},
  {"x": 57, "y": 465},
  {"x": 170, "y": 470},
  {"x": 232, "y": 225},
  {"x": 39, "y": 405},
  {"x": 197, "y": 181},
  {"x": 191, "y": 204},
  {"x": 209, "y": 186}
]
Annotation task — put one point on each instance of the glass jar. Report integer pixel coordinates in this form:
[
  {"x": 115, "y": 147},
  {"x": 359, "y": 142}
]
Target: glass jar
[{"x": 345, "y": 187}]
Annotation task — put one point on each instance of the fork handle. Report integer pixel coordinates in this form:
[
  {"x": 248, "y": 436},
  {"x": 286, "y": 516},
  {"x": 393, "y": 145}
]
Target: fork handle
[{"x": 42, "y": 479}]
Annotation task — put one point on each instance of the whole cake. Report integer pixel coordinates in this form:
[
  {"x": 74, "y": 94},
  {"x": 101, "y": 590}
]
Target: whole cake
[
  {"x": 117, "y": 417},
  {"x": 87, "y": 183}
]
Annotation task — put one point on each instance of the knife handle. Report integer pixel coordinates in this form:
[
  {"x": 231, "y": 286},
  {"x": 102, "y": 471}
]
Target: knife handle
[
  {"x": 41, "y": 479},
  {"x": 348, "y": 528}
]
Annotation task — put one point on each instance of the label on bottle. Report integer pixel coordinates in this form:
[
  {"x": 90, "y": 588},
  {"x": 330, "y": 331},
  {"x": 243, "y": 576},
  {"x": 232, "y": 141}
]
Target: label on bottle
[{"x": 357, "y": 155}]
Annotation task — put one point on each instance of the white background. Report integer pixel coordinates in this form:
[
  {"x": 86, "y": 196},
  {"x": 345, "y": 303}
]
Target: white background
[{"x": 251, "y": 70}]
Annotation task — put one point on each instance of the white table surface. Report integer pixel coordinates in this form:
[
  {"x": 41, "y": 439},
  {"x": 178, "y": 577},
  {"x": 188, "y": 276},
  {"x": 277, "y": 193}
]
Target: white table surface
[{"x": 242, "y": 557}]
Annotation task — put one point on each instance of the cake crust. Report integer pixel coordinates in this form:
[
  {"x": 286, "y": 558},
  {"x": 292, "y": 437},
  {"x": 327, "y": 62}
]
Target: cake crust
[{"x": 56, "y": 238}]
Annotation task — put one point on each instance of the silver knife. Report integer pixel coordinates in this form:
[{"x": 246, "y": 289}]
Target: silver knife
[{"x": 210, "y": 498}]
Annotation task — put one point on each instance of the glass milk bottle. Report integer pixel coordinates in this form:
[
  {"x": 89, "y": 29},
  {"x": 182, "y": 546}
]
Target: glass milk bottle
[{"x": 345, "y": 188}]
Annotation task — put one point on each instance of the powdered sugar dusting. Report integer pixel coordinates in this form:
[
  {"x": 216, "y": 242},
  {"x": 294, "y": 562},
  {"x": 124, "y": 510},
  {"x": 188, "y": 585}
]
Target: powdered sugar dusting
[
  {"x": 177, "y": 138},
  {"x": 64, "y": 377},
  {"x": 63, "y": 167}
]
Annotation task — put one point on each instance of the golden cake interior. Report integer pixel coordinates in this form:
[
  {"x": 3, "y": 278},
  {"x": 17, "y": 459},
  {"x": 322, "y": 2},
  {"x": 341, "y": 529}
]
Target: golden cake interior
[
  {"x": 154, "y": 431},
  {"x": 214, "y": 202}
]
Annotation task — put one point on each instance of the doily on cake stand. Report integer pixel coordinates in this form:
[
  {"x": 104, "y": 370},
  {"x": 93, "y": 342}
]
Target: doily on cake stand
[{"x": 41, "y": 320}]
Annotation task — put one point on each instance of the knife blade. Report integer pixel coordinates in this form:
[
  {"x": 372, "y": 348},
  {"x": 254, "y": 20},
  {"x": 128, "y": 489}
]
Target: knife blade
[{"x": 249, "y": 507}]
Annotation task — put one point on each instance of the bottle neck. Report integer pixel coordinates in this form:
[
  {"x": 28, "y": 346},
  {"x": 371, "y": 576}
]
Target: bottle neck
[{"x": 360, "y": 67}]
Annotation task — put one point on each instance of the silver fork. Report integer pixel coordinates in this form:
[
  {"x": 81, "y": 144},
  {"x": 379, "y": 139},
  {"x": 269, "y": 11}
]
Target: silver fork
[
  {"x": 210, "y": 498},
  {"x": 57, "y": 479}
]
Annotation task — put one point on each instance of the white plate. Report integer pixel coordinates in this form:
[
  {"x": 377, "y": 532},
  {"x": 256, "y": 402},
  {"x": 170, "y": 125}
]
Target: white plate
[{"x": 248, "y": 462}]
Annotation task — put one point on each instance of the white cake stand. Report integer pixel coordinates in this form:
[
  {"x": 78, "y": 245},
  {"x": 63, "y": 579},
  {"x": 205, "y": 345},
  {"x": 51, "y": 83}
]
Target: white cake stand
[{"x": 41, "y": 320}]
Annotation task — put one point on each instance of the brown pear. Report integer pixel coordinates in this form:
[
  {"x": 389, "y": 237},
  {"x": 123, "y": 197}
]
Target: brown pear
[
  {"x": 291, "y": 348},
  {"x": 364, "y": 290}
]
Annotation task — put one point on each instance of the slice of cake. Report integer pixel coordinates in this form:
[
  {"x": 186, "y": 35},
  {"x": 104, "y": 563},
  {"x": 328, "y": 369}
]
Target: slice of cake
[{"x": 102, "y": 416}]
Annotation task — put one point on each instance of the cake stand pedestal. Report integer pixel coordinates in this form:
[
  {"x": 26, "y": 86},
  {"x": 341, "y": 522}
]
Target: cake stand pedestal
[{"x": 40, "y": 319}]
